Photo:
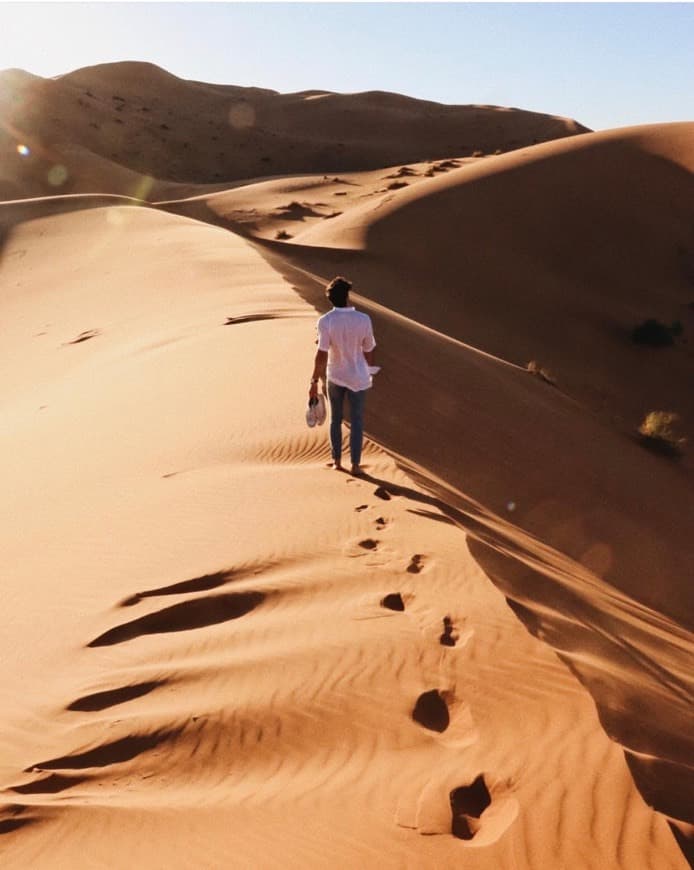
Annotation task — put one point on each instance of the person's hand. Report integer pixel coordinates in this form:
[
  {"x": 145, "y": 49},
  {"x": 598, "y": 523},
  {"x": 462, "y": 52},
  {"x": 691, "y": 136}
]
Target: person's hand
[{"x": 313, "y": 391}]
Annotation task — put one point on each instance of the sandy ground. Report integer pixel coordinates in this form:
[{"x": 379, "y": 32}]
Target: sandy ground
[{"x": 219, "y": 652}]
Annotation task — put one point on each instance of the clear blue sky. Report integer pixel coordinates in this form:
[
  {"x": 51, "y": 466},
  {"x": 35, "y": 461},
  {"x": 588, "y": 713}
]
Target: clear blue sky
[{"x": 605, "y": 64}]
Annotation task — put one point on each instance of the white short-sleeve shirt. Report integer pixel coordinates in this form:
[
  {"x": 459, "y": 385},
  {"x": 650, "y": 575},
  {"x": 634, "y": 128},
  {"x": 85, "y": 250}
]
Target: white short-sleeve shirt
[{"x": 346, "y": 335}]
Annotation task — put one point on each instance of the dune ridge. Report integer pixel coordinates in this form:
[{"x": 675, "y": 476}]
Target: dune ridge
[{"x": 123, "y": 127}]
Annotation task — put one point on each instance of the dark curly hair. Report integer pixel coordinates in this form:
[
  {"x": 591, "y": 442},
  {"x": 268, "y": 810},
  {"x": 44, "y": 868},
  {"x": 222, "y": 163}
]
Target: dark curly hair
[{"x": 337, "y": 291}]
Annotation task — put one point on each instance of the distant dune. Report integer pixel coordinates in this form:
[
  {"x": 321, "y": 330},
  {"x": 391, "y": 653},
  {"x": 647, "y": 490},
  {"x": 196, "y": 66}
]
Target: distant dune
[
  {"x": 219, "y": 652},
  {"x": 153, "y": 124}
]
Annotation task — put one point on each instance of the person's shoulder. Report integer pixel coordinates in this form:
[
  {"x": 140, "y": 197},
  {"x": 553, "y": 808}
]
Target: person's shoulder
[
  {"x": 324, "y": 318},
  {"x": 363, "y": 316}
]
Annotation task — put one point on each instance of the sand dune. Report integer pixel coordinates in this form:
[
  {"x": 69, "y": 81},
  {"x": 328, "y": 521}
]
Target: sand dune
[
  {"x": 220, "y": 653},
  {"x": 223, "y": 682},
  {"x": 164, "y": 128}
]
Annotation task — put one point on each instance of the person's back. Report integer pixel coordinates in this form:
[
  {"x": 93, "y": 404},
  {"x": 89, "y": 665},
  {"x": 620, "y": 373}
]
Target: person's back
[
  {"x": 345, "y": 348},
  {"x": 346, "y": 334}
]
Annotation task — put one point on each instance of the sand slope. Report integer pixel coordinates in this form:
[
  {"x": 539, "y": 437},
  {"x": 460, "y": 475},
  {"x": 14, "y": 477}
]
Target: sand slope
[
  {"x": 219, "y": 652},
  {"x": 161, "y": 127},
  {"x": 199, "y": 669}
]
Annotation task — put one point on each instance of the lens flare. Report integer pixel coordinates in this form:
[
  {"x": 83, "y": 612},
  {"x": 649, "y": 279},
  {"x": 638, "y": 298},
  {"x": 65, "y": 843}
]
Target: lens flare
[
  {"x": 143, "y": 187},
  {"x": 57, "y": 175},
  {"x": 241, "y": 116},
  {"x": 23, "y": 150}
]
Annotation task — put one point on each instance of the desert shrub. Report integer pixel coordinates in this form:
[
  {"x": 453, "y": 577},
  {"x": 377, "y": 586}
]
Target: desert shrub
[
  {"x": 282, "y": 234},
  {"x": 657, "y": 433},
  {"x": 656, "y": 334}
]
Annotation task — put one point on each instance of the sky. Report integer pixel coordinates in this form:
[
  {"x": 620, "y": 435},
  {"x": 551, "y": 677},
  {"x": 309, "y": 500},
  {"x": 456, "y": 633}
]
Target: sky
[{"x": 604, "y": 64}]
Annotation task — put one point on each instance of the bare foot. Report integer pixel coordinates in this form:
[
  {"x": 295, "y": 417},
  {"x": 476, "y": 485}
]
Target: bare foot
[
  {"x": 338, "y": 466},
  {"x": 356, "y": 471}
]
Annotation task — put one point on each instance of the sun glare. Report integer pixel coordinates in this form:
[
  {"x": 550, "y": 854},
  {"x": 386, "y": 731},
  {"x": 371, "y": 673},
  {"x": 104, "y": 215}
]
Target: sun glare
[{"x": 24, "y": 150}]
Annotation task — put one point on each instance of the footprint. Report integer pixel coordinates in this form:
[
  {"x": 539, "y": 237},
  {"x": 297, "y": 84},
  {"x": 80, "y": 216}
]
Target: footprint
[
  {"x": 383, "y": 493},
  {"x": 362, "y": 507},
  {"x": 393, "y": 601},
  {"x": 468, "y": 802},
  {"x": 448, "y": 638},
  {"x": 431, "y": 711},
  {"x": 415, "y": 565},
  {"x": 368, "y": 544},
  {"x": 381, "y": 523}
]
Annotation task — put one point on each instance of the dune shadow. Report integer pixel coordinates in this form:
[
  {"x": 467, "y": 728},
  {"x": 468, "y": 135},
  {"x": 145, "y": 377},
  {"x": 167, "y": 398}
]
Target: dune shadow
[
  {"x": 249, "y": 318},
  {"x": 9, "y": 825},
  {"x": 203, "y": 583},
  {"x": 52, "y": 784},
  {"x": 112, "y": 697},
  {"x": 185, "y": 616},
  {"x": 296, "y": 211},
  {"x": 431, "y": 515},
  {"x": 83, "y": 336},
  {"x": 114, "y": 752}
]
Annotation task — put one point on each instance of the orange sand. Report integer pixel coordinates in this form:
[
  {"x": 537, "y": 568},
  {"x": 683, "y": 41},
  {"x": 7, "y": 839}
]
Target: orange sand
[{"x": 201, "y": 668}]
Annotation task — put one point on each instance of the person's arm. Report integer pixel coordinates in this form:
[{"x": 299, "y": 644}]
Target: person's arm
[
  {"x": 368, "y": 344},
  {"x": 319, "y": 367}
]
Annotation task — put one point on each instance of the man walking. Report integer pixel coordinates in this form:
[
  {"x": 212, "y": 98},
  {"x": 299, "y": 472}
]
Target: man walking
[{"x": 345, "y": 349}]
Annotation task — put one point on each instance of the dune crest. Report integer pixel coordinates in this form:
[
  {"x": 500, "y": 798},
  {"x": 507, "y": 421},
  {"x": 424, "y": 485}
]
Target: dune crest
[{"x": 133, "y": 124}]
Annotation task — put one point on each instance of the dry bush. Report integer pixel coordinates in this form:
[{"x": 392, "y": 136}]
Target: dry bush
[
  {"x": 656, "y": 334},
  {"x": 657, "y": 433}
]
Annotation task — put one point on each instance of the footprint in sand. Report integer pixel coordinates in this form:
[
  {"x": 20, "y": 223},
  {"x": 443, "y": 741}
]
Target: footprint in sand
[
  {"x": 468, "y": 802},
  {"x": 368, "y": 544},
  {"x": 449, "y": 636},
  {"x": 416, "y": 564},
  {"x": 473, "y": 812},
  {"x": 393, "y": 601},
  {"x": 431, "y": 711}
]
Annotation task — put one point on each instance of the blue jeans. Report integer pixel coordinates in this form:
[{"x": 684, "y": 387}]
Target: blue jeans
[{"x": 336, "y": 394}]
